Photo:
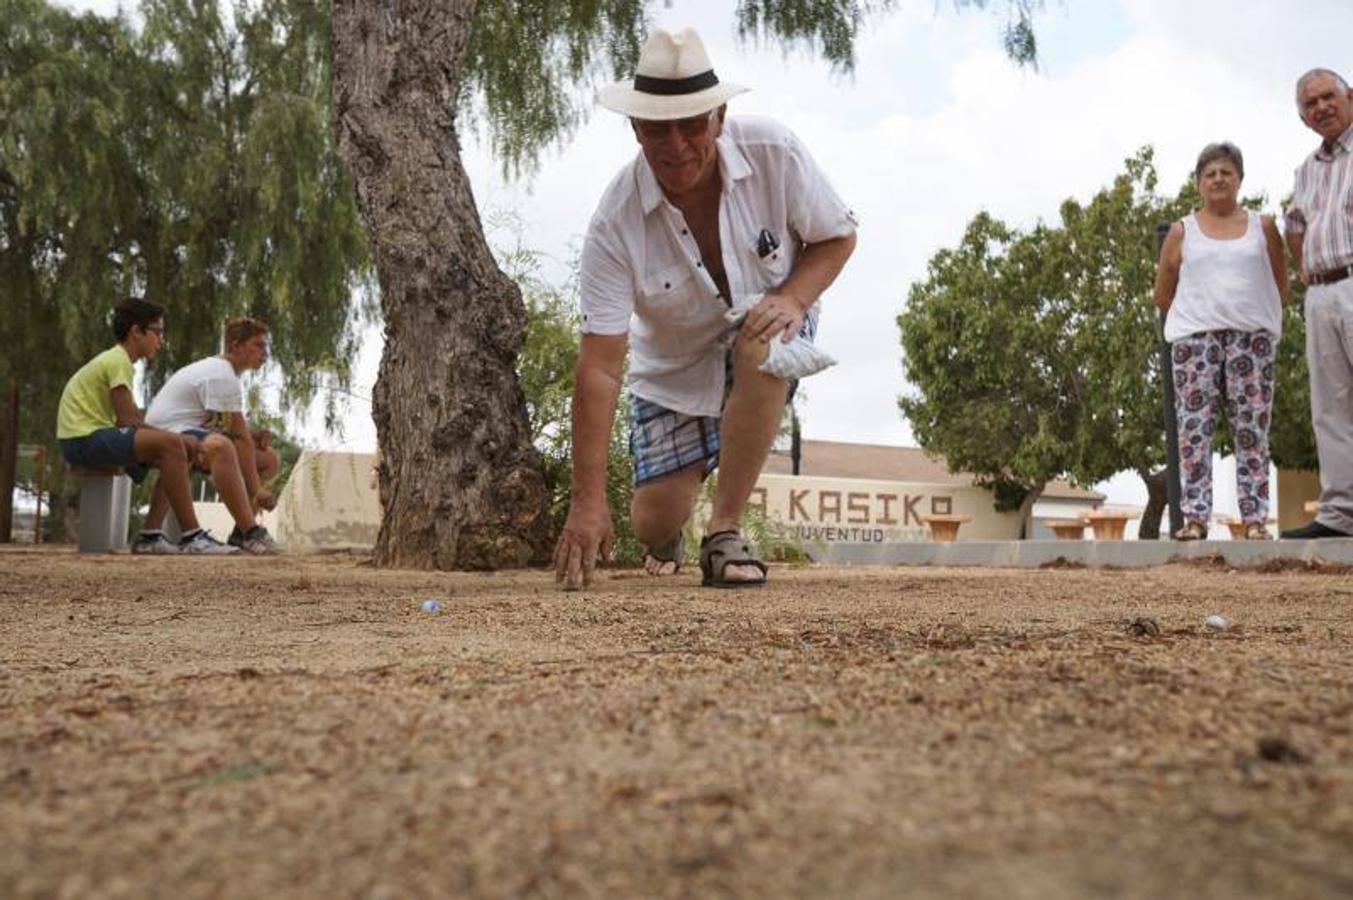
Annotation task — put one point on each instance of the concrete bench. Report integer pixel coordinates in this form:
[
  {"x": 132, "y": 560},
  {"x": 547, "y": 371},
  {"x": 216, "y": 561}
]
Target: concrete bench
[
  {"x": 1067, "y": 529},
  {"x": 105, "y": 508},
  {"x": 944, "y": 528},
  {"x": 1108, "y": 526}
]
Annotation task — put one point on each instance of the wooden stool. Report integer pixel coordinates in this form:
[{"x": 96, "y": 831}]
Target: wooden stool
[
  {"x": 105, "y": 508},
  {"x": 1067, "y": 529},
  {"x": 944, "y": 528}
]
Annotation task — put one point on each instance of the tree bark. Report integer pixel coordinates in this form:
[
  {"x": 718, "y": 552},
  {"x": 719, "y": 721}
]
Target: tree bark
[
  {"x": 9, "y": 460},
  {"x": 1157, "y": 498},
  {"x": 462, "y": 486}
]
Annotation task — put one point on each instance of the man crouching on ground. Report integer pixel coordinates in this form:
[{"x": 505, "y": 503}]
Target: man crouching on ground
[{"x": 712, "y": 214}]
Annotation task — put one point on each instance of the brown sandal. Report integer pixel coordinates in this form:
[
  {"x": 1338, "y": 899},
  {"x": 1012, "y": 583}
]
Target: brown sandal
[
  {"x": 722, "y": 549},
  {"x": 674, "y": 551},
  {"x": 1192, "y": 531}
]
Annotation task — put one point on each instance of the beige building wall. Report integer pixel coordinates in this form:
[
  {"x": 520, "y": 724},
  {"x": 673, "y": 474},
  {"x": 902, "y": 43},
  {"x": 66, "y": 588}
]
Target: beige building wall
[
  {"x": 329, "y": 503},
  {"x": 861, "y": 511},
  {"x": 1296, "y": 487}
]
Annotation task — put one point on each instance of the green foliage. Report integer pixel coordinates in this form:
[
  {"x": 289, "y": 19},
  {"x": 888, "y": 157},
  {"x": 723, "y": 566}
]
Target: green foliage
[
  {"x": 1291, "y": 437},
  {"x": 1034, "y": 355},
  {"x": 526, "y": 60},
  {"x": 192, "y": 162},
  {"x": 531, "y": 65},
  {"x": 546, "y": 366}
]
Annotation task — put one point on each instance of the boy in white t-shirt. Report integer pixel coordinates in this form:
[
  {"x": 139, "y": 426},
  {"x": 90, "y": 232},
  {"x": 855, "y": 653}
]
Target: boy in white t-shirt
[{"x": 206, "y": 400}]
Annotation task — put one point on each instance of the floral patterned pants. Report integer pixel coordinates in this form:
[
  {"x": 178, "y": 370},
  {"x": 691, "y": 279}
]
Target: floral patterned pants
[{"x": 1236, "y": 367}]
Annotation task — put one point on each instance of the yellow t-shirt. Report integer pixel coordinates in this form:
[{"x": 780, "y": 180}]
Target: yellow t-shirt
[{"x": 87, "y": 402}]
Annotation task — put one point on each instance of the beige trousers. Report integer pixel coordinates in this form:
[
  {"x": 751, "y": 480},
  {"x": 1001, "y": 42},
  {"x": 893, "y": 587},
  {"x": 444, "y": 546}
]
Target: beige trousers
[{"x": 1329, "y": 354}]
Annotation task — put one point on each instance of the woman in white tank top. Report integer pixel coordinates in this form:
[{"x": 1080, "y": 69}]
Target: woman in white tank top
[{"x": 1222, "y": 280}]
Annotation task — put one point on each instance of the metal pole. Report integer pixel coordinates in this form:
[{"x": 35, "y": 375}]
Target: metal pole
[
  {"x": 1167, "y": 407},
  {"x": 40, "y": 488}
]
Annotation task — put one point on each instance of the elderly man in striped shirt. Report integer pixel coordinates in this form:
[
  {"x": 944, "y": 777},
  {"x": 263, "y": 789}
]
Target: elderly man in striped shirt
[{"x": 1320, "y": 236}]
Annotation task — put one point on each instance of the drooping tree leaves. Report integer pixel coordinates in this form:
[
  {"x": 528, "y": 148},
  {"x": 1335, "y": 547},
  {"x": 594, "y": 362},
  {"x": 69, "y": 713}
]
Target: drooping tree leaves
[{"x": 1034, "y": 354}]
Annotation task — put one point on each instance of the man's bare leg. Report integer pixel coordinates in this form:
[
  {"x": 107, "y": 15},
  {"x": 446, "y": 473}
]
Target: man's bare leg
[
  {"x": 159, "y": 507},
  {"x": 168, "y": 452},
  {"x": 750, "y": 419},
  {"x": 661, "y": 508},
  {"x": 218, "y": 455}
]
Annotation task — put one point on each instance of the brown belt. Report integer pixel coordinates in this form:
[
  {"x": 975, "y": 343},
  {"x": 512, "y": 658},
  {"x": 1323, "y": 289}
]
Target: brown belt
[{"x": 1330, "y": 276}]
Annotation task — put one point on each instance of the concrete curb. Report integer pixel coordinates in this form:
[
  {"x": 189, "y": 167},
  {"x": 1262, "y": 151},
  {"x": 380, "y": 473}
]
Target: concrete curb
[{"x": 1121, "y": 554}]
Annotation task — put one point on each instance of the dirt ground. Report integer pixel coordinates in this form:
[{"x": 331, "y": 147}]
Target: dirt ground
[{"x": 299, "y": 727}]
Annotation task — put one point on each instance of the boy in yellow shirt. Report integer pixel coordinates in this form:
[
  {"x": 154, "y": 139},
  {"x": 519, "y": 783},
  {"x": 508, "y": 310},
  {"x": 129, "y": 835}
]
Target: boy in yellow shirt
[{"x": 98, "y": 424}]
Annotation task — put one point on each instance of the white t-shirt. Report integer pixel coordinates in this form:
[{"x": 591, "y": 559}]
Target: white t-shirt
[
  {"x": 193, "y": 393},
  {"x": 1224, "y": 284},
  {"x": 642, "y": 275}
]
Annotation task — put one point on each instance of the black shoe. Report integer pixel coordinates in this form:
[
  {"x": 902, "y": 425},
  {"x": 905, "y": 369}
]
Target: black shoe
[
  {"x": 1312, "y": 531},
  {"x": 236, "y": 538}
]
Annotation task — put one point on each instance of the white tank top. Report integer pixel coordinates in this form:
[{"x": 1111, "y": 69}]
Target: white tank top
[{"x": 1224, "y": 284}]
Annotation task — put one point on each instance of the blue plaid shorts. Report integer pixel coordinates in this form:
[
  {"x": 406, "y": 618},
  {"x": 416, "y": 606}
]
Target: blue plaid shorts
[{"x": 664, "y": 441}]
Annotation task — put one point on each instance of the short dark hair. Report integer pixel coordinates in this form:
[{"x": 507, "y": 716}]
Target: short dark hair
[
  {"x": 237, "y": 331},
  {"x": 1224, "y": 150},
  {"x": 134, "y": 311}
]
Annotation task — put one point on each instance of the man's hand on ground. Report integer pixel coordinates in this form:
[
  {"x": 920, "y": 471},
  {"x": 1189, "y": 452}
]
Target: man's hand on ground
[
  {"x": 587, "y": 533},
  {"x": 776, "y": 314}
]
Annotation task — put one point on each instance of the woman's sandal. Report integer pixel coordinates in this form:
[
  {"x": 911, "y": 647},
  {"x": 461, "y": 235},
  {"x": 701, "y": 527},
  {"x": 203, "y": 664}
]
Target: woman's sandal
[
  {"x": 1255, "y": 531},
  {"x": 674, "y": 551},
  {"x": 722, "y": 549},
  {"x": 1192, "y": 531}
]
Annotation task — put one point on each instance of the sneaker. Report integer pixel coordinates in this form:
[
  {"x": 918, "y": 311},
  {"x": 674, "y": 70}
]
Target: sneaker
[
  {"x": 203, "y": 542},
  {"x": 256, "y": 541},
  {"x": 155, "y": 544}
]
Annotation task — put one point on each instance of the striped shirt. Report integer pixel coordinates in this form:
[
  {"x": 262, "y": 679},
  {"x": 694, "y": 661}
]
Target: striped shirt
[{"x": 1322, "y": 206}]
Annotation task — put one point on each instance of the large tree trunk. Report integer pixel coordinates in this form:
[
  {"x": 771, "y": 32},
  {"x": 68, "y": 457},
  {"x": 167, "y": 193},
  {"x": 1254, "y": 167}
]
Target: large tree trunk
[
  {"x": 460, "y": 482},
  {"x": 9, "y": 459},
  {"x": 1157, "y": 498}
]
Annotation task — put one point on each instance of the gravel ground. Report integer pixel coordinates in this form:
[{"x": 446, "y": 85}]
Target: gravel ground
[{"x": 299, "y": 727}]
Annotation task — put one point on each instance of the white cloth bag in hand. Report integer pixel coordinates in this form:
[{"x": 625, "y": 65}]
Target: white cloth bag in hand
[{"x": 797, "y": 359}]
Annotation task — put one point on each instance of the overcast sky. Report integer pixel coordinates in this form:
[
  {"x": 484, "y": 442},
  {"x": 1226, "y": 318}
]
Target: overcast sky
[{"x": 936, "y": 124}]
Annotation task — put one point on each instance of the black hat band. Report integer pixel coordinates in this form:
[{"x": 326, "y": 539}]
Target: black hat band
[{"x": 671, "y": 87}]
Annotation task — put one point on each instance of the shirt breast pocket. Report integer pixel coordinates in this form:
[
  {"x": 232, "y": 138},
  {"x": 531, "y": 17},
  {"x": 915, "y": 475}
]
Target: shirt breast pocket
[
  {"x": 670, "y": 295},
  {"x": 772, "y": 269}
]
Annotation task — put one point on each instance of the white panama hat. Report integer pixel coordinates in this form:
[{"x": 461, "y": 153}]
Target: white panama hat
[{"x": 673, "y": 80}]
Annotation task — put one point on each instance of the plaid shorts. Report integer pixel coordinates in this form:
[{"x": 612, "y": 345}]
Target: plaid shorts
[{"x": 663, "y": 441}]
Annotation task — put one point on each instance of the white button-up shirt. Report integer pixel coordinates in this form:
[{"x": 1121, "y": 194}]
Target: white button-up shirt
[{"x": 642, "y": 274}]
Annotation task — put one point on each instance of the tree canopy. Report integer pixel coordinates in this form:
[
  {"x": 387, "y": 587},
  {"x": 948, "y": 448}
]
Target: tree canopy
[
  {"x": 190, "y": 161},
  {"x": 1033, "y": 355},
  {"x": 530, "y": 64}
]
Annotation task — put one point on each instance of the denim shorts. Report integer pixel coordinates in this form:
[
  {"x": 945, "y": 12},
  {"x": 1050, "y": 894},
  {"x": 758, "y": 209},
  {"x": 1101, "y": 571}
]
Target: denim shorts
[{"x": 106, "y": 448}]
